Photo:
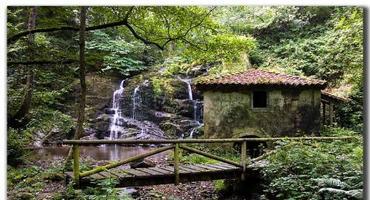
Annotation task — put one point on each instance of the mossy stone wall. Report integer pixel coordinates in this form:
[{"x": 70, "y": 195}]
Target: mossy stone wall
[{"x": 290, "y": 112}]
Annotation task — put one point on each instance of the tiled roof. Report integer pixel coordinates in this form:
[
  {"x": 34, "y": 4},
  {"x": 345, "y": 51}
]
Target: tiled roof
[
  {"x": 329, "y": 96},
  {"x": 256, "y": 77}
]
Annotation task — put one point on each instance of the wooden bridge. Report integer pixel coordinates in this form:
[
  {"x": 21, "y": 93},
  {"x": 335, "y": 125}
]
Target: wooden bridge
[{"x": 176, "y": 173}]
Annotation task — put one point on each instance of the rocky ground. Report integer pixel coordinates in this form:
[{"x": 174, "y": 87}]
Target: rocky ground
[{"x": 194, "y": 190}]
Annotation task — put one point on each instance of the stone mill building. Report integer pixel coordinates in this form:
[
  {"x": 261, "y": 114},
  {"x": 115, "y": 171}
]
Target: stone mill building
[{"x": 257, "y": 103}]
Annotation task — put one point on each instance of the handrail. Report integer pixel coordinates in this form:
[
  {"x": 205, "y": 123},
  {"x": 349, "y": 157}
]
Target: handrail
[
  {"x": 176, "y": 145},
  {"x": 177, "y": 141}
]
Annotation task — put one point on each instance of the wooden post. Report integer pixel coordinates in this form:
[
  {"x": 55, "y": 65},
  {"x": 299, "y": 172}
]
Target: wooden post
[
  {"x": 324, "y": 113},
  {"x": 176, "y": 164},
  {"x": 76, "y": 164},
  {"x": 331, "y": 113},
  {"x": 243, "y": 158}
]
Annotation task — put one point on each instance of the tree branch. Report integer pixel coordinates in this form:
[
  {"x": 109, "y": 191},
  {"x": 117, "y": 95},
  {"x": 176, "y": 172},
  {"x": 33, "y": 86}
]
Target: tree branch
[
  {"x": 198, "y": 24},
  {"x": 41, "y": 62},
  {"x": 123, "y": 22},
  {"x": 145, "y": 41},
  {"x": 15, "y": 37}
]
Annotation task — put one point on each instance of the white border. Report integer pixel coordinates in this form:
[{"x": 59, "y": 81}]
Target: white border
[{"x": 5, "y": 3}]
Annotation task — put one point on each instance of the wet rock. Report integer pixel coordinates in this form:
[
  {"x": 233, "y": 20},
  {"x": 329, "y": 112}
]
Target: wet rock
[
  {"x": 172, "y": 129},
  {"x": 101, "y": 126},
  {"x": 24, "y": 196},
  {"x": 109, "y": 111},
  {"x": 165, "y": 116},
  {"x": 89, "y": 131},
  {"x": 145, "y": 163},
  {"x": 180, "y": 89},
  {"x": 185, "y": 107},
  {"x": 199, "y": 70}
]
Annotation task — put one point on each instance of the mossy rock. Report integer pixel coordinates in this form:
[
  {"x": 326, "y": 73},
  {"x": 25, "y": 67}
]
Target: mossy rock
[
  {"x": 171, "y": 129},
  {"x": 54, "y": 176},
  {"x": 24, "y": 196}
]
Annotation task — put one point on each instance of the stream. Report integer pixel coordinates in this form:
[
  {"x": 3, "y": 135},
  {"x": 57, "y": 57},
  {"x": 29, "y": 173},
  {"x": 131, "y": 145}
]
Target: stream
[{"x": 102, "y": 152}]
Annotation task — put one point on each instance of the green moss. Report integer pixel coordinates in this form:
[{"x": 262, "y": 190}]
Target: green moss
[
  {"x": 219, "y": 185},
  {"x": 197, "y": 159},
  {"x": 162, "y": 86},
  {"x": 175, "y": 65}
]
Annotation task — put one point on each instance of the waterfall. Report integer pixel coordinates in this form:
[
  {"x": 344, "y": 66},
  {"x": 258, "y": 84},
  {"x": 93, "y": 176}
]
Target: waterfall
[
  {"x": 114, "y": 127},
  {"x": 136, "y": 98},
  {"x": 194, "y": 129},
  {"x": 195, "y": 103},
  {"x": 188, "y": 84},
  {"x": 190, "y": 96}
]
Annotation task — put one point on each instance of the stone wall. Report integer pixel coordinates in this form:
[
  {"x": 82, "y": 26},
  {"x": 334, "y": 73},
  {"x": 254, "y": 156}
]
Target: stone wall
[{"x": 290, "y": 112}]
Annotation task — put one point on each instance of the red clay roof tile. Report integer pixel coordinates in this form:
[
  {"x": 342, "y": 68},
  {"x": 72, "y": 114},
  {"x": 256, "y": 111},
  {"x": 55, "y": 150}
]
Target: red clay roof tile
[{"x": 256, "y": 77}]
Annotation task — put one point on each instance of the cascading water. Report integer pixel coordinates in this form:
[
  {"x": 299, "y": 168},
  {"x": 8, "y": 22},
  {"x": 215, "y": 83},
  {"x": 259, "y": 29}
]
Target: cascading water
[
  {"x": 136, "y": 99},
  {"x": 190, "y": 96},
  {"x": 195, "y": 129},
  {"x": 115, "y": 124},
  {"x": 195, "y": 106}
]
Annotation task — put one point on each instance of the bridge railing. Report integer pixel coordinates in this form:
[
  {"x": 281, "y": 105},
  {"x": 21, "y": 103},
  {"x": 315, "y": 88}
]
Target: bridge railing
[{"x": 176, "y": 145}]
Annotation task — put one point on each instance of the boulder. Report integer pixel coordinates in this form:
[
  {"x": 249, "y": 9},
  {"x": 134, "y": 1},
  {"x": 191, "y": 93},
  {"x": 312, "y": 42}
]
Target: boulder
[
  {"x": 172, "y": 130},
  {"x": 144, "y": 163}
]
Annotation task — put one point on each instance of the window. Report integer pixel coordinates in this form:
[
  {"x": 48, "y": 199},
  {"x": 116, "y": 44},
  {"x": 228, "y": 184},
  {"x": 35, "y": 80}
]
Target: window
[{"x": 259, "y": 99}]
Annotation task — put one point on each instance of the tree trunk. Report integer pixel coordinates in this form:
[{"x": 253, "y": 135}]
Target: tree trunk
[
  {"x": 18, "y": 118},
  {"x": 81, "y": 107}
]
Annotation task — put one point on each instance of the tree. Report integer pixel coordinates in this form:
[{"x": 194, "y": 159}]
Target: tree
[
  {"x": 81, "y": 107},
  {"x": 26, "y": 104},
  {"x": 82, "y": 100}
]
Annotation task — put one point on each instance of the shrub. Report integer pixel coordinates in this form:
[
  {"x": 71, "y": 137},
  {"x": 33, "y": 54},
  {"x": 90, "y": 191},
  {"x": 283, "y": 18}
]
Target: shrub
[
  {"x": 15, "y": 147},
  {"x": 294, "y": 169}
]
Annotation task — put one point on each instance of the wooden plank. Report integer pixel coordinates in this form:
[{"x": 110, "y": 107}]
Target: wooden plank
[
  {"x": 122, "y": 173},
  {"x": 97, "y": 176},
  {"x": 163, "y": 171},
  {"x": 211, "y": 167},
  {"x": 167, "y": 168},
  {"x": 111, "y": 175},
  {"x": 221, "y": 166},
  {"x": 105, "y": 174},
  {"x": 149, "y": 171},
  {"x": 119, "y": 175},
  {"x": 197, "y": 168},
  {"x": 217, "y": 166},
  {"x": 186, "y": 168},
  {"x": 229, "y": 166},
  {"x": 170, "y": 168},
  {"x": 136, "y": 172}
]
